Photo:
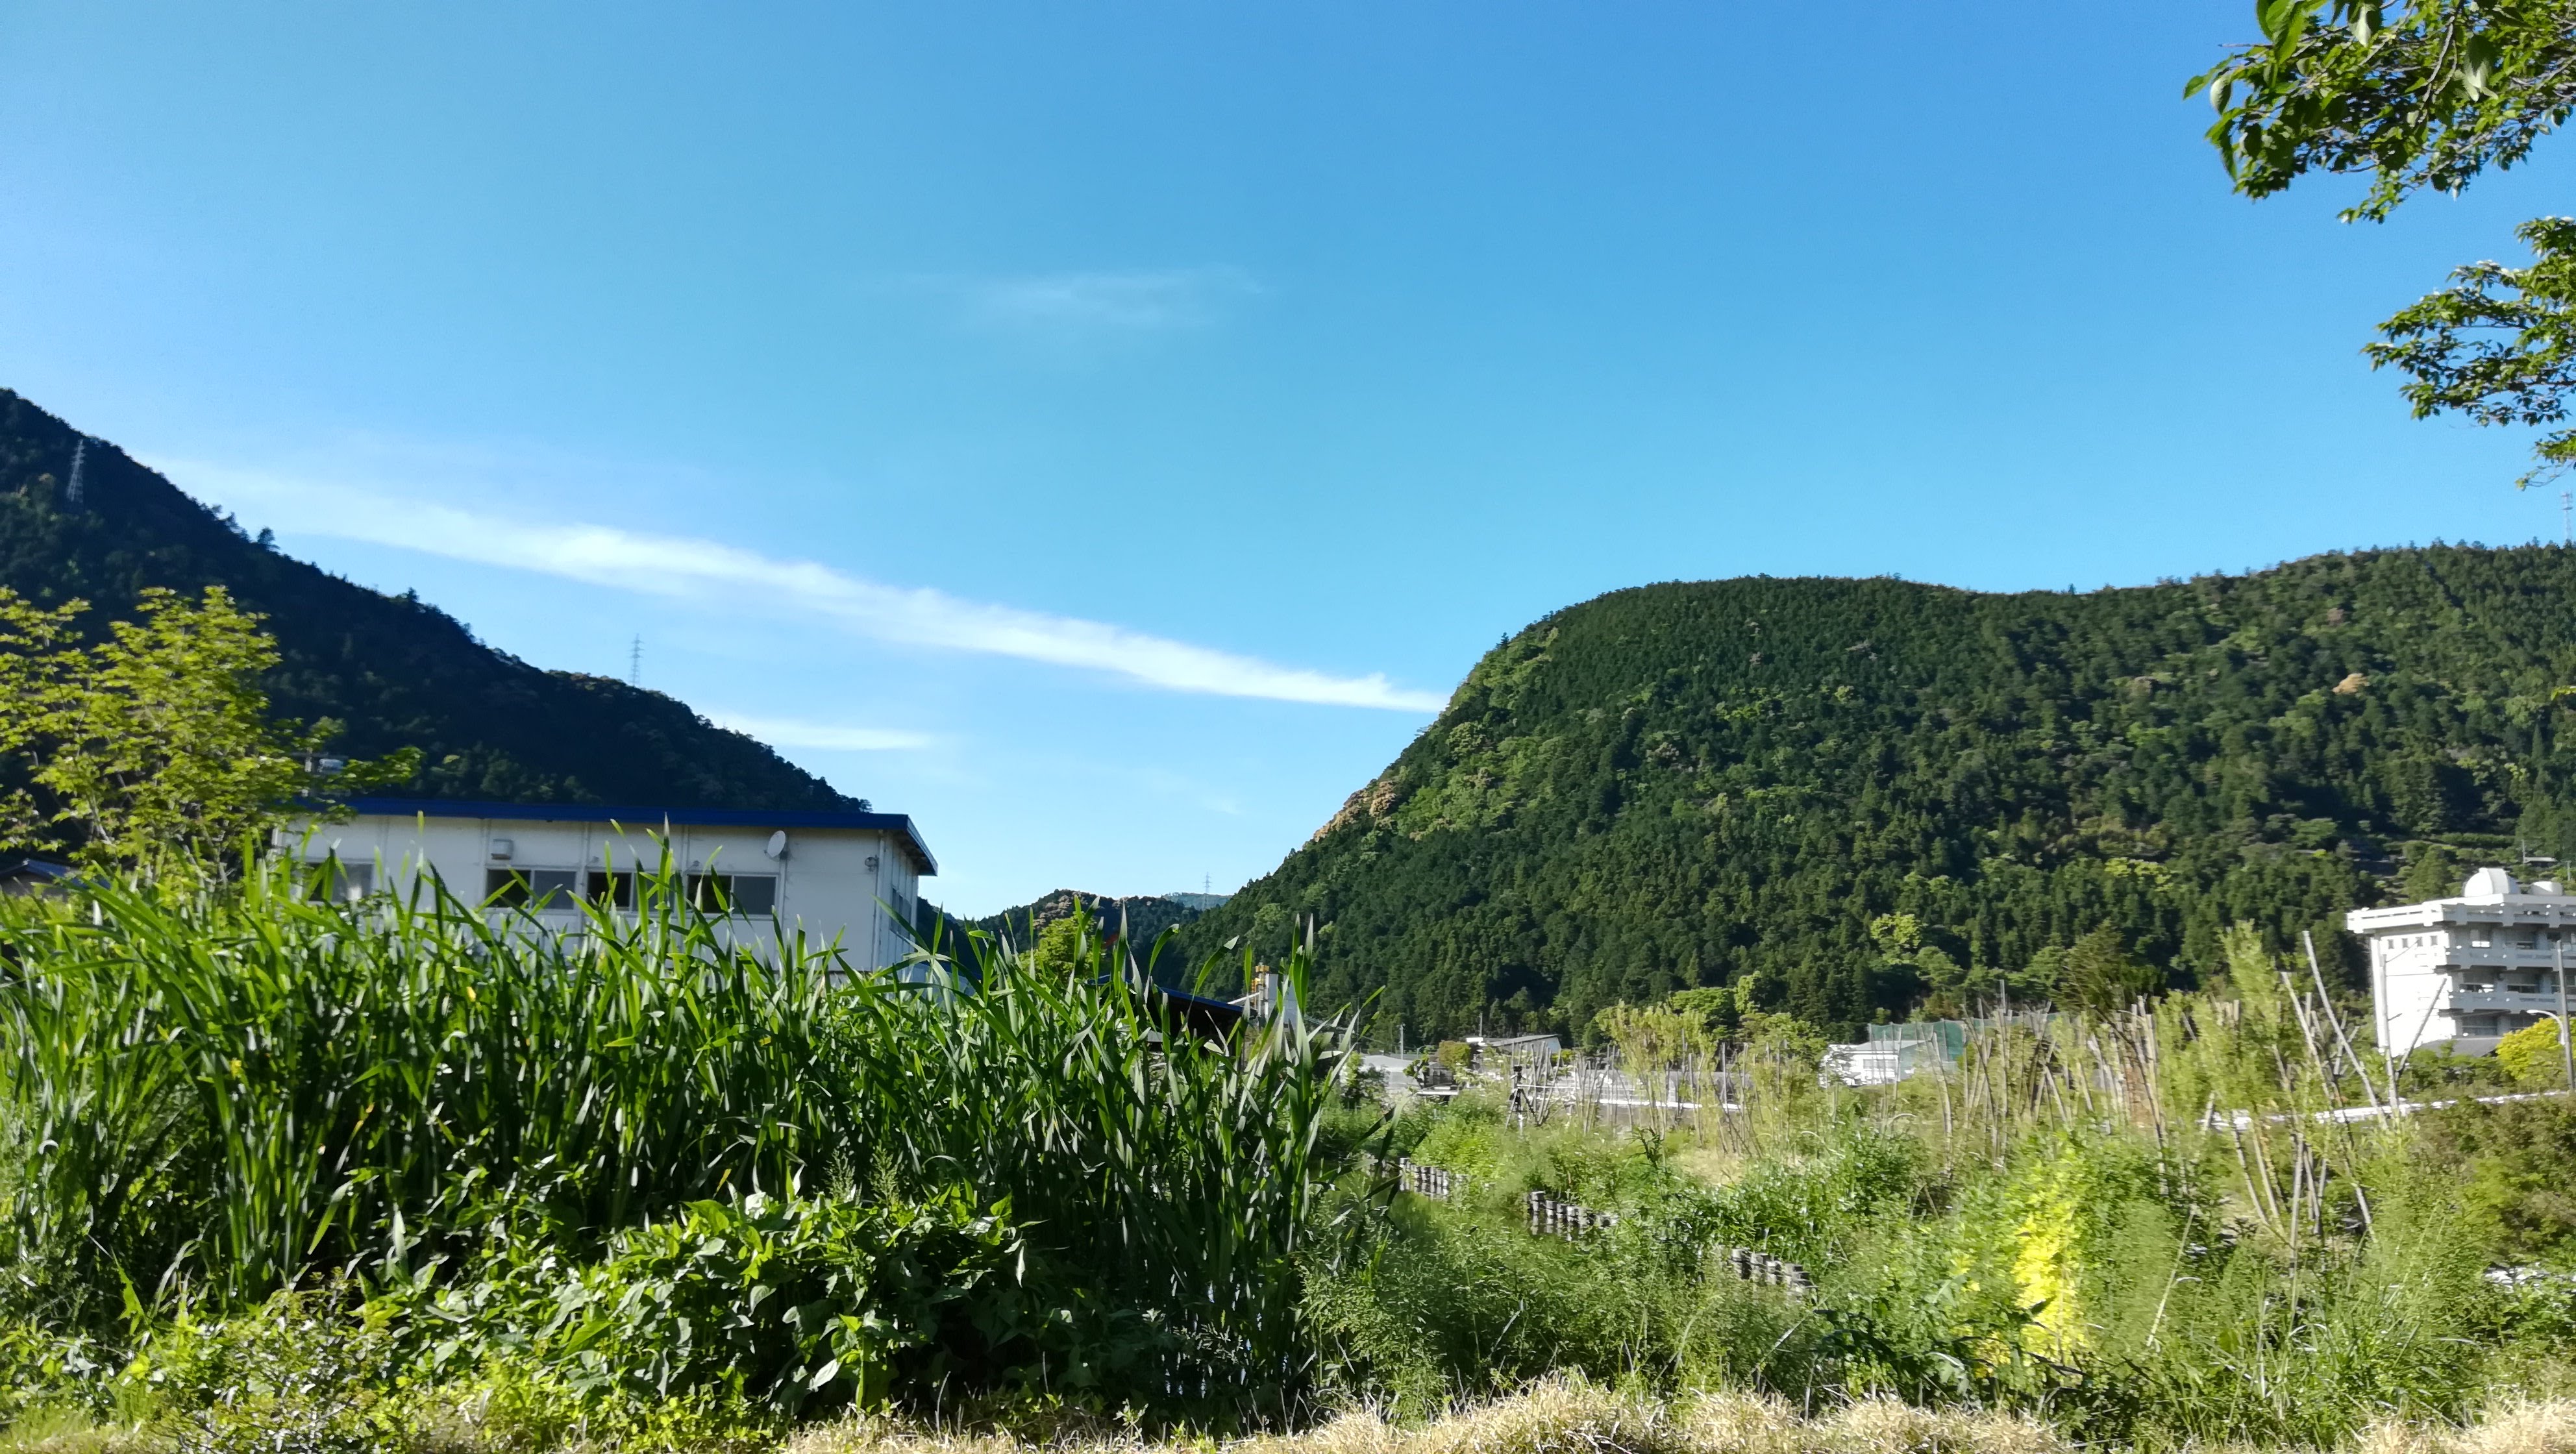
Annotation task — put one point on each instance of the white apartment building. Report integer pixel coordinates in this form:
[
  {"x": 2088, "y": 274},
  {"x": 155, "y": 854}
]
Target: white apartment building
[
  {"x": 851, "y": 876},
  {"x": 2470, "y": 970}
]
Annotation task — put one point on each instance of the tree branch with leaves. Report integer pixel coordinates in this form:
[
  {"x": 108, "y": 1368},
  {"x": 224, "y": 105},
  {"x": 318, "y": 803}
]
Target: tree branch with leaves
[{"x": 2421, "y": 95}]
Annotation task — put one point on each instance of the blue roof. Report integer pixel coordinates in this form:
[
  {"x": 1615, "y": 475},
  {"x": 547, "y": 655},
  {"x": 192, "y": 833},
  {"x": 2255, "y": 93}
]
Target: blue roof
[
  {"x": 35, "y": 868},
  {"x": 898, "y": 823}
]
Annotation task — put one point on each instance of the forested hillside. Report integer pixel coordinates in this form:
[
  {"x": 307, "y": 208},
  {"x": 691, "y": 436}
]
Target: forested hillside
[
  {"x": 1686, "y": 784},
  {"x": 398, "y": 671}
]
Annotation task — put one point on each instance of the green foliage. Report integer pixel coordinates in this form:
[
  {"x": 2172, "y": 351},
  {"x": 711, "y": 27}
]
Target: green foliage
[
  {"x": 778, "y": 1305},
  {"x": 299, "y": 1372},
  {"x": 1446, "y": 1305},
  {"x": 1654, "y": 1037},
  {"x": 2253, "y": 1346},
  {"x": 154, "y": 748},
  {"x": 1061, "y": 945},
  {"x": 2433, "y": 871},
  {"x": 1139, "y": 919},
  {"x": 2426, "y": 93},
  {"x": 2098, "y": 974},
  {"x": 216, "y": 1095},
  {"x": 2498, "y": 345},
  {"x": 2517, "y": 1164},
  {"x": 2421, "y": 93},
  {"x": 394, "y": 670},
  {"x": 2102, "y": 1276},
  {"x": 2534, "y": 1056},
  {"x": 1683, "y": 786}
]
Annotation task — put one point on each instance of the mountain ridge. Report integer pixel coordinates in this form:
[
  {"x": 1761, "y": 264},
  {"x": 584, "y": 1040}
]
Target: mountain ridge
[
  {"x": 1877, "y": 793},
  {"x": 395, "y": 670}
]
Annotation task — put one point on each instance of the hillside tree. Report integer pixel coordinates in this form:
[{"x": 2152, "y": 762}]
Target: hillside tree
[{"x": 153, "y": 748}]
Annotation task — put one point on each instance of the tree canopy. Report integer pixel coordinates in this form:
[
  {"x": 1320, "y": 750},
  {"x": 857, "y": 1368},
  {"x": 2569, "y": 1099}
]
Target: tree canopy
[{"x": 2429, "y": 93}]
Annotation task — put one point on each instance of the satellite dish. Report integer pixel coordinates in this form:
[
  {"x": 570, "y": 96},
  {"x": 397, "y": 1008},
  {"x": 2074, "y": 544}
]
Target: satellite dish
[{"x": 777, "y": 847}]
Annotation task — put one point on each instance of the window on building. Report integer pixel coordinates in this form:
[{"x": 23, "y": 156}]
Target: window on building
[
  {"x": 505, "y": 888},
  {"x": 734, "y": 893},
  {"x": 336, "y": 879},
  {"x": 558, "y": 889},
  {"x": 612, "y": 888}
]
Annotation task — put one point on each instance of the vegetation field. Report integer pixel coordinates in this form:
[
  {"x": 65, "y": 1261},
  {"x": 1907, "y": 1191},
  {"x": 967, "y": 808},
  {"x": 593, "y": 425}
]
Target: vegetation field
[
  {"x": 299, "y": 1175},
  {"x": 285, "y": 1170}
]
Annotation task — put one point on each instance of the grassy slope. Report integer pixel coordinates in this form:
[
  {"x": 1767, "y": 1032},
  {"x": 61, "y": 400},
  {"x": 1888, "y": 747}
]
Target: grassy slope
[
  {"x": 1685, "y": 783},
  {"x": 397, "y": 671}
]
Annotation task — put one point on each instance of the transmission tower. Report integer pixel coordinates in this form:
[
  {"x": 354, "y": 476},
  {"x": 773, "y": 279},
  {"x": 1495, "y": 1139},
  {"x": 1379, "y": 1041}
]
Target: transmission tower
[{"x": 635, "y": 662}]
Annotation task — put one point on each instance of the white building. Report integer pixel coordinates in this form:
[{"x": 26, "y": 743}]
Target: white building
[
  {"x": 851, "y": 876},
  {"x": 2468, "y": 971}
]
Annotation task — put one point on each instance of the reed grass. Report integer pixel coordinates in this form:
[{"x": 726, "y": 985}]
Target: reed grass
[{"x": 217, "y": 1095}]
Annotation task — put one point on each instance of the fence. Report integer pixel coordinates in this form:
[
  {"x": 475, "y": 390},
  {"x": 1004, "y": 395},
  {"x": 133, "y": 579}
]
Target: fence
[
  {"x": 1753, "y": 1266},
  {"x": 1549, "y": 1217},
  {"x": 1595, "y": 1088},
  {"x": 1429, "y": 1181}
]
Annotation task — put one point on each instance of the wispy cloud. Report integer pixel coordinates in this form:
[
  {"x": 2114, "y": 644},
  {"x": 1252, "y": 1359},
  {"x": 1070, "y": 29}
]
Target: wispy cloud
[
  {"x": 679, "y": 566},
  {"x": 791, "y": 732},
  {"x": 1120, "y": 302}
]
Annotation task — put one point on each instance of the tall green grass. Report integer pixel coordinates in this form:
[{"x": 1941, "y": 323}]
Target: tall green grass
[{"x": 215, "y": 1096}]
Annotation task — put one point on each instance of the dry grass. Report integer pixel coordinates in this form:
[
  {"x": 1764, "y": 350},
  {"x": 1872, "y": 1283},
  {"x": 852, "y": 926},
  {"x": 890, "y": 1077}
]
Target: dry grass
[
  {"x": 1571, "y": 1417},
  {"x": 2542, "y": 1426},
  {"x": 1568, "y": 1417},
  {"x": 1564, "y": 1417}
]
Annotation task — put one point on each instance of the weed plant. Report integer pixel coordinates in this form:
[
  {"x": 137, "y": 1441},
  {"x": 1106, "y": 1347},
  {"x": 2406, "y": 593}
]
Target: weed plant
[{"x": 2173, "y": 1224}]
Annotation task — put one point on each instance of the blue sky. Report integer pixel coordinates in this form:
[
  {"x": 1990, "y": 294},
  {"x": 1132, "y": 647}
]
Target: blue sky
[{"x": 1105, "y": 431}]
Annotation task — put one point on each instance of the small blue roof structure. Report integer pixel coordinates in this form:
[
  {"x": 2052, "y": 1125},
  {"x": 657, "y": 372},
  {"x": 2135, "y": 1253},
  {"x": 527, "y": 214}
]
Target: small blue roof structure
[
  {"x": 643, "y": 816},
  {"x": 32, "y": 875}
]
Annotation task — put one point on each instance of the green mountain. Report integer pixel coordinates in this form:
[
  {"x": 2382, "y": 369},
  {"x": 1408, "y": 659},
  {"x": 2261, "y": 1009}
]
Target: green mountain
[
  {"x": 1685, "y": 784},
  {"x": 1140, "y": 917},
  {"x": 398, "y": 671}
]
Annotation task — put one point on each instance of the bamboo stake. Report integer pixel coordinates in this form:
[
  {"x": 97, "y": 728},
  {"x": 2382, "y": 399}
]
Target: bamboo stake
[{"x": 2309, "y": 941}]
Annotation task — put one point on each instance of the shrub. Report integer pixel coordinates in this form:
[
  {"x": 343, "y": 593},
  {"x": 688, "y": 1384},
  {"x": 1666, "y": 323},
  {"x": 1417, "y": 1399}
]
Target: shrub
[
  {"x": 775, "y": 1304},
  {"x": 302, "y": 1372},
  {"x": 2533, "y": 1056},
  {"x": 2515, "y": 1167}
]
